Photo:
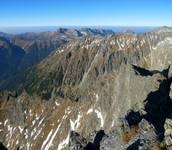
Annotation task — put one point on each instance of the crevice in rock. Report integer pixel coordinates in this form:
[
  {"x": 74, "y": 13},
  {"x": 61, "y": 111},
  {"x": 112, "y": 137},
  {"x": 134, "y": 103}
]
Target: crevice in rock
[
  {"x": 134, "y": 146},
  {"x": 158, "y": 106},
  {"x": 76, "y": 141},
  {"x": 133, "y": 118},
  {"x": 96, "y": 144},
  {"x": 142, "y": 71},
  {"x": 79, "y": 142},
  {"x": 145, "y": 72},
  {"x": 2, "y": 147}
]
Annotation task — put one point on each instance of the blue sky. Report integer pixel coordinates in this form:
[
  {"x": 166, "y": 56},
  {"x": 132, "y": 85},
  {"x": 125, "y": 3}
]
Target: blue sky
[{"x": 85, "y": 12}]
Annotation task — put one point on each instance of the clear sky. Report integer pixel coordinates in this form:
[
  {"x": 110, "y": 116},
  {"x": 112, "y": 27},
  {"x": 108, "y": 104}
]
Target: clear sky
[{"x": 85, "y": 12}]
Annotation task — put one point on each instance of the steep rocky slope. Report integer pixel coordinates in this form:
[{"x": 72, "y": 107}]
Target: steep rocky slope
[
  {"x": 95, "y": 93},
  {"x": 36, "y": 47},
  {"x": 10, "y": 57},
  {"x": 80, "y": 63}
]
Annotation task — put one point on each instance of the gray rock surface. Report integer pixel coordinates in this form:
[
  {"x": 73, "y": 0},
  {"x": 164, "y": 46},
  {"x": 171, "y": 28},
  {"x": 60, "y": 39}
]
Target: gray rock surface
[
  {"x": 168, "y": 132},
  {"x": 76, "y": 141},
  {"x": 170, "y": 94}
]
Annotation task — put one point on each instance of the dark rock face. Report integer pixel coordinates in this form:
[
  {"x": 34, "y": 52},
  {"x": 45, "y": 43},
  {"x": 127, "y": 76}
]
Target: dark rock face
[
  {"x": 133, "y": 118},
  {"x": 158, "y": 106},
  {"x": 76, "y": 142},
  {"x": 38, "y": 50},
  {"x": 96, "y": 143},
  {"x": 2, "y": 147},
  {"x": 79, "y": 143},
  {"x": 10, "y": 58}
]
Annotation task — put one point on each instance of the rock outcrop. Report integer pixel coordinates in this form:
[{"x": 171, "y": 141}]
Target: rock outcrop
[{"x": 168, "y": 132}]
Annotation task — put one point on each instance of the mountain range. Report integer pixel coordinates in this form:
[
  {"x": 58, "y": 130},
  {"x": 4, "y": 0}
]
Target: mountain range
[
  {"x": 34, "y": 47},
  {"x": 86, "y": 89}
]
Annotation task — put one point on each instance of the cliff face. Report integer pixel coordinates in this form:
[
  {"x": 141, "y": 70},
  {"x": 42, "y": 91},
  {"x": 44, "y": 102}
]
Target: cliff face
[
  {"x": 95, "y": 93},
  {"x": 10, "y": 57}
]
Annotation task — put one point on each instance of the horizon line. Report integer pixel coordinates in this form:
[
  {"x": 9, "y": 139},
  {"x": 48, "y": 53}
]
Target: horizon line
[{"x": 85, "y": 26}]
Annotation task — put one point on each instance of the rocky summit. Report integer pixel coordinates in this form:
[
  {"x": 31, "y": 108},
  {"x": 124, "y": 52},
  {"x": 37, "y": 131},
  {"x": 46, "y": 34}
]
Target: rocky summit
[{"x": 95, "y": 90}]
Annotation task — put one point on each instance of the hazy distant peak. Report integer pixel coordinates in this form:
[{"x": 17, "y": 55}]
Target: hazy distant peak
[{"x": 163, "y": 29}]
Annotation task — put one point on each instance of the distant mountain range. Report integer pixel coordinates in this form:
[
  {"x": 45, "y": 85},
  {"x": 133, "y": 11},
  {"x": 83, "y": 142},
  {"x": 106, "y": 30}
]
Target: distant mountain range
[
  {"x": 20, "y": 30},
  {"x": 19, "y": 52}
]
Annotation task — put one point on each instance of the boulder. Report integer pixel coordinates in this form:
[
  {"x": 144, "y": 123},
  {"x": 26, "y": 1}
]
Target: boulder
[
  {"x": 168, "y": 132},
  {"x": 76, "y": 142},
  {"x": 170, "y": 71},
  {"x": 170, "y": 93}
]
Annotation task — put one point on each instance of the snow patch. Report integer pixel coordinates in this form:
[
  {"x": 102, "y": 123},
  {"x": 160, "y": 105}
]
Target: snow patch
[
  {"x": 97, "y": 97},
  {"x": 67, "y": 112},
  {"x": 10, "y": 131},
  {"x": 28, "y": 146},
  {"x": 47, "y": 139},
  {"x": 84, "y": 33},
  {"x": 33, "y": 122},
  {"x": 25, "y": 112},
  {"x": 89, "y": 111},
  {"x": 60, "y": 51},
  {"x": 75, "y": 124},
  {"x": 37, "y": 117},
  {"x": 64, "y": 143},
  {"x": 38, "y": 132},
  {"x": 33, "y": 132},
  {"x": 17, "y": 142},
  {"x": 99, "y": 115},
  {"x": 5, "y": 122},
  {"x": 20, "y": 129},
  {"x": 26, "y": 134},
  {"x": 40, "y": 122},
  {"x": 52, "y": 138},
  {"x": 167, "y": 40},
  {"x": 57, "y": 104},
  {"x": 113, "y": 122}
]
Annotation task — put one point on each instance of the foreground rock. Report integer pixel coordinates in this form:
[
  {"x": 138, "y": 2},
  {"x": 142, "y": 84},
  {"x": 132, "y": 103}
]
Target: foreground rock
[{"x": 168, "y": 133}]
